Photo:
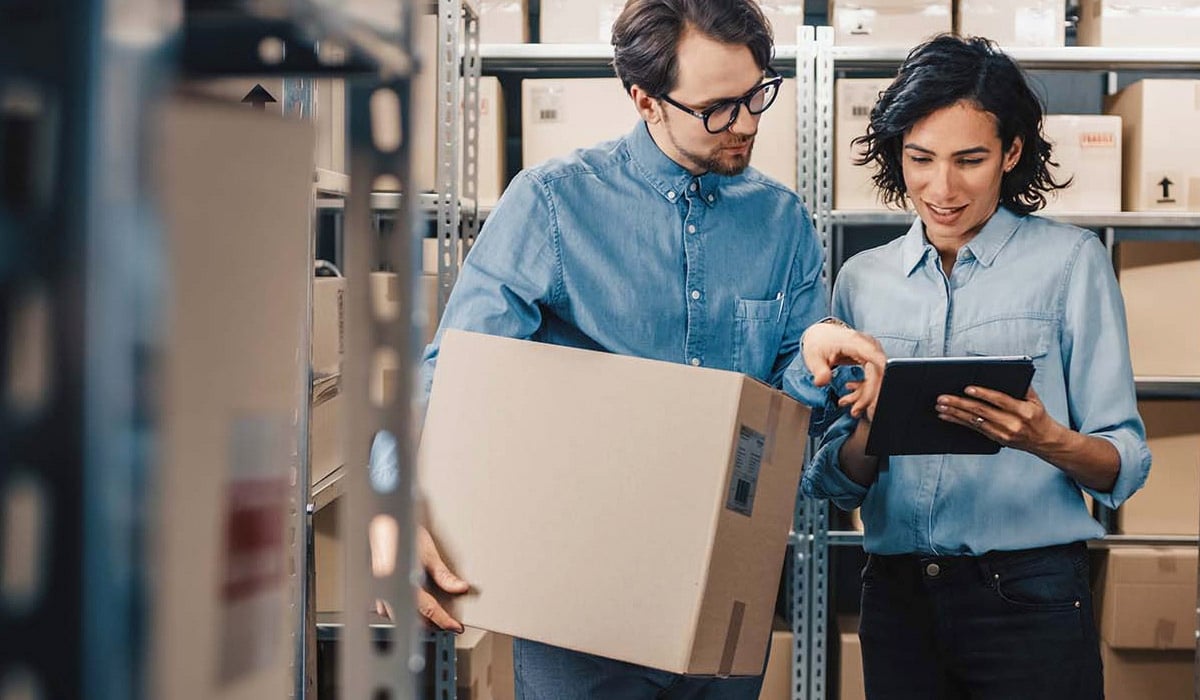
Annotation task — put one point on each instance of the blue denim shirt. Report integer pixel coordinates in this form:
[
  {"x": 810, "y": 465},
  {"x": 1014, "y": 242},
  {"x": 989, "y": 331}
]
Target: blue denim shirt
[
  {"x": 618, "y": 248},
  {"x": 1022, "y": 286}
]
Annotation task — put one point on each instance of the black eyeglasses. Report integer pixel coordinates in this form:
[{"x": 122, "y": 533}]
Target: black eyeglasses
[{"x": 720, "y": 116}]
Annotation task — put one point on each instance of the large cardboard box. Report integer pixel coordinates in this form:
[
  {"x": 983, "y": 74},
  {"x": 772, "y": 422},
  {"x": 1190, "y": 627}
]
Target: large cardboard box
[
  {"x": 328, "y": 560},
  {"x": 1087, "y": 148},
  {"x": 629, "y": 508},
  {"x": 785, "y": 17},
  {"x": 503, "y": 22},
  {"x": 484, "y": 665},
  {"x": 328, "y": 325},
  {"x": 1140, "y": 674},
  {"x": 1160, "y": 144},
  {"x": 1147, "y": 598},
  {"x": 579, "y": 21},
  {"x": 853, "y": 100},
  {"x": 325, "y": 428},
  {"x": 560, "y": 116},
  {"x": 777, "y": 679},
  {"x": 281, "y": 96},
  {"x": 1013, "y": 22},
  {"x": 1139, "y": 23},
  {"x": 851, "y": 685},
  {"x": 423, "y": 116},
  {"x": 892, "y": 23},
  {"x": 235, "y": 188},
  {"x": 1160, "y": 282},
  {"x": 1169, "y": 503}
]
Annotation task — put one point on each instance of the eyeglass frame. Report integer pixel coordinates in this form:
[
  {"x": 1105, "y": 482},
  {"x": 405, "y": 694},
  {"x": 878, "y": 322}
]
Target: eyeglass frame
[{"x": 773, "y": 79}]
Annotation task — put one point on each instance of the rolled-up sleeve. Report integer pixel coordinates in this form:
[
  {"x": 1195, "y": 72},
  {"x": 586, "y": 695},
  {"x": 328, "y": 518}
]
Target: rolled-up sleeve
[{"x": 1102, "y": 398}]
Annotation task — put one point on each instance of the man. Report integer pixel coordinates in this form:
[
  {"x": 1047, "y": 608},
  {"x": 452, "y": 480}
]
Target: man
[{"x": 663, "y": 244}]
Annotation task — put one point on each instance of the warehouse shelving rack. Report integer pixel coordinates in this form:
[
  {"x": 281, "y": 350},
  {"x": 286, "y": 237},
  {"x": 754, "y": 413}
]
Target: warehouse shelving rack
[
  {"x": 817, "y": 58},
  {"x": 77, "y": 80}
]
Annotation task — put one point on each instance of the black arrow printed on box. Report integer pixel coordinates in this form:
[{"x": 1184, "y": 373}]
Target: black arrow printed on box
[
  {"x": 1165, "y": 184},
  {"x": 258, "y": 97}
]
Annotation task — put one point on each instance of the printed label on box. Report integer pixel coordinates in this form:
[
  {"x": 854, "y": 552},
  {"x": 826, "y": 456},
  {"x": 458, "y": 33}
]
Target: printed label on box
[
  {"x": 750, "y": 448},
  {"x": 547, "y": 104},
  {"x": 1166, "y": 189}
]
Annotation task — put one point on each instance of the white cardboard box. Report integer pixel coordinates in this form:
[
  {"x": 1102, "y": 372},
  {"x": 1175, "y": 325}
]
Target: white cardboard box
[
  {"x": 1087, "y": 148},
  {"x": 1139, "y": 23},
  {"x": 624, "y": 507},
  {"x": 852, "y": 185},
  {"x": 1013, "y": 22},
  {"x": 579, "y": 21}
]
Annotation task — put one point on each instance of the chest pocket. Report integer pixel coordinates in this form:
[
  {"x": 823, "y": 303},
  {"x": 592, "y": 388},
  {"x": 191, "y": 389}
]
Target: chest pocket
[
  {"x": 1012, "y": 336},
  {"x": 757, "y": 329}
]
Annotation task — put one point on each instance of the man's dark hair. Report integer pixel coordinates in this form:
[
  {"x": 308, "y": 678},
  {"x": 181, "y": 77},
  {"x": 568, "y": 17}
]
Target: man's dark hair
[
  {"x": 646, "y": 37},
  {"x": 942, "y": 72}
]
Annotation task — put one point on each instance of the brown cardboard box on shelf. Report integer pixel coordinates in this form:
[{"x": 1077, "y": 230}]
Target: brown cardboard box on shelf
[
  {"x": 1087, "y": 148},
  {"x": 503, "y": 22},
  {"x": 423, "y": 116},
  {"x": 1161, "y": 149},
  {"x": 1169, "y": 503},
  {"x": 328, "y": 325},
  {"x": 1147, "y": 598},
  {"x": 579, "y": 21},
  {"x": 325, "y": 421},
  {"x": 385, "y": 300},
  {"x": 1013, "y": 22},
  {"x": 777, "y": 679},
  {"x": 560, "y": 116},
  {"x": 850, "y": 675},
  {"x": 852, "y": 185},
  {"x": 1143, "y": 674},
  {"x": 892, "y": 23},
  {"x": 659, "y": 494},
  {"x": 328, "y": 564},
  {"x": 267, "y": 93},
  {"x": 1139, "y": 23},
  {"x": 785, "y": 16},
  {"x": 503, "y": 676},
  {"x": 1160, "y": 282},
  {"x": 235, "y": 189}
]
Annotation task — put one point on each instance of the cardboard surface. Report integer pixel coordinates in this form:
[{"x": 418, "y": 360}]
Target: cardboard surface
[
  {"x": 1161, "y": 149},
  {"x": 1135, "y": 674},
  {"x": 1169, "y": 503},
  {"x": 328, "y": 325},
  {"x": 851, "y": 685},
  {"x": 1013, "y": 22},
  {"x": 1087, "y": 149},
  {"x": 777, "y": 679},
  {"x": 854, "y": 99},
  {"x": 1160, "y": 282},
  {"x": 235, "y": 193},
  {"x": 622, "y": 487},
  {"x": 1147, "y": 598},
  {"x": 1139, "y": 23},
  {"x": 892, "y": 23}
]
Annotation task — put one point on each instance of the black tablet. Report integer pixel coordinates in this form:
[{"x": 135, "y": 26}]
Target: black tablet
[{"x": 906, "y": 420}]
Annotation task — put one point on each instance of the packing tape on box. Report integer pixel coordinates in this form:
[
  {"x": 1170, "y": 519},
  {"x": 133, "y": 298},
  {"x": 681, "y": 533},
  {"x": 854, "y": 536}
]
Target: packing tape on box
[
  {"x": 1164, "y": 633},
  {"x": 772, "y": 427},
  {"x": 731, "y": 638}
]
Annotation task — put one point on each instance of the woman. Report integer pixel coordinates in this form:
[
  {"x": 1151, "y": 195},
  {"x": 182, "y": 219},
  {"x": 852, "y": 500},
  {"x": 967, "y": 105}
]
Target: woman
[{"x": 977, "y": 580}]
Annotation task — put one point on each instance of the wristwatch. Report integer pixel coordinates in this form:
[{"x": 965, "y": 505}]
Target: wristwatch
[{"x": 835, "y": 321}]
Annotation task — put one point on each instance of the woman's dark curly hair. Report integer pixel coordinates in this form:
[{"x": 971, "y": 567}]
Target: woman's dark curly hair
[{"x": 939, "y": 73}]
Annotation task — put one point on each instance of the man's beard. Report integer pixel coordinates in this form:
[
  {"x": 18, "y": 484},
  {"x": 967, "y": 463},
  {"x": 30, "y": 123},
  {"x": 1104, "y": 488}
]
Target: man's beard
[{"x": 717, "y": 161}]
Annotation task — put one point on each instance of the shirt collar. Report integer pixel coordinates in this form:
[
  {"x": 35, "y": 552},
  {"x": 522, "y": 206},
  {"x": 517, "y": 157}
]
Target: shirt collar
[
  {"x": 670, "y": 179},
  {"x": 985, "y": 246}
]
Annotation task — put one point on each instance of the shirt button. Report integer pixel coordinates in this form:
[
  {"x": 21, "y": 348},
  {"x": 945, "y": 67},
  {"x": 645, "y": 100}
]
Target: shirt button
[
  {"x": 932, "y": 570},
  {"x": 693, "y": 187},
  {"x": 691, "y": 228},
  {"x": 711, "y": 198},
  {"x": 695, "y": 361},
  {"x": 671, "y": 195},
  {"x": 695, "y": 294}
]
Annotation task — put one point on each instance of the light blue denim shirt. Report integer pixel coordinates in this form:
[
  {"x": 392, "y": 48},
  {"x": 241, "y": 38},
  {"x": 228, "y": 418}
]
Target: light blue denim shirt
[
  {"x": 618, "y": 248},
  {"x": 1022, "y": 286}
]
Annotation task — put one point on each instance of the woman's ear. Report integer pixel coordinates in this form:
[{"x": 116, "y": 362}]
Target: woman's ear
[{"x": 1013, "y": 156}]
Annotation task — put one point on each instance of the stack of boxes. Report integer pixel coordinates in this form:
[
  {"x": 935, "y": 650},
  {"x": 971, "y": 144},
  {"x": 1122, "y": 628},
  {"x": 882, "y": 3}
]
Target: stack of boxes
[{"x": 1139, "y": 23}]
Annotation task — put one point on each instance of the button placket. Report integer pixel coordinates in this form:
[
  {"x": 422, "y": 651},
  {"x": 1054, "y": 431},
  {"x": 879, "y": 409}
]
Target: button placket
[{"x": 695, "y": 302}]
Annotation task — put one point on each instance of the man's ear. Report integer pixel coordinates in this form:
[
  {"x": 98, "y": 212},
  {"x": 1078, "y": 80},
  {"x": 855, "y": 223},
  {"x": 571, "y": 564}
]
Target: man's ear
[{"x": 649, "y": 108}]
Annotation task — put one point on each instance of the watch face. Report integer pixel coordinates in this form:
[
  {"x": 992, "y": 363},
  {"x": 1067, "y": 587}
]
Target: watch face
[{"x": 384, "y": 471}]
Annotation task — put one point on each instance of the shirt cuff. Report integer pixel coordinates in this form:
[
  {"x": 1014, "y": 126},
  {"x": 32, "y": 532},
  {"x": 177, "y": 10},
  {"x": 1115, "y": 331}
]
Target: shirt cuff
[
  {"x": 824, "y": 477},
  {"x": 1135, "y": 467}
]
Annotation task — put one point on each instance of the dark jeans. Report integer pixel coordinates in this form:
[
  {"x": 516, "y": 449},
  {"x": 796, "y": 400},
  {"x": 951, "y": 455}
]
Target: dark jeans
[
  {"x": 544, "y": 672},
  {"x": 1001, "y": 626}
]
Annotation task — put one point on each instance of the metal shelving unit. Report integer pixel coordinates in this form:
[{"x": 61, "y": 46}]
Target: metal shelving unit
[
  {"x": 818, "y": 57},
  {"x": 548, "y": 60}
]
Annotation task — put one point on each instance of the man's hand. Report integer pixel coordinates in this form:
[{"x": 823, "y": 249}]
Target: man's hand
[
  {"x": 829, "y": 345},
  {"x": 436, "y": 572},
  {"x": 441, "y": 576}
]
